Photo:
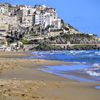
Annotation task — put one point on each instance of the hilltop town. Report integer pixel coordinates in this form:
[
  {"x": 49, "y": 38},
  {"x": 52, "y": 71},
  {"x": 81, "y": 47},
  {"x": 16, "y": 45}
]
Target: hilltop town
[{"x": 39, "y": 28}]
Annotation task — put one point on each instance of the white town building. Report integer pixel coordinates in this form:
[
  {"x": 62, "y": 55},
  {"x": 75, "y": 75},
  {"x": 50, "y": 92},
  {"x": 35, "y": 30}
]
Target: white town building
[
  {"x": 27, "y": 10},
  {"x": 46, "y": 17},
  {"x": 27, "y": 21}
]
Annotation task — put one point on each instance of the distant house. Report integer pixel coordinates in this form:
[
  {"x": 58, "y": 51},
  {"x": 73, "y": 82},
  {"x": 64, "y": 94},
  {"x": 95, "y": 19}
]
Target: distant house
[
  {"x": 13, "y": 17},
  {"x": 3, "y": 33}
]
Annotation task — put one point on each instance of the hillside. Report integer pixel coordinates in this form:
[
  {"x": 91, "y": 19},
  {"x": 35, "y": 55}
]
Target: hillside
[{"x": 40, "y": 28}]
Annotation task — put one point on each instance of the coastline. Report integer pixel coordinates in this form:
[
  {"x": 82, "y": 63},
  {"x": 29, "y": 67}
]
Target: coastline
[
  {"x": 13, "y": 54},
  {"x": 22, "y": 81}
]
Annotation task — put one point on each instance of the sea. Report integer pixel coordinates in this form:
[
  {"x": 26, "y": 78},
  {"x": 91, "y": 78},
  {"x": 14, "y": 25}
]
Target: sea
[{"x": 84, "y": 66}]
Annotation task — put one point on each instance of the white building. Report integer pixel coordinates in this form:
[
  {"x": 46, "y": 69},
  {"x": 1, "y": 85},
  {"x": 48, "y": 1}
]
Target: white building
[
  {"x": 47, "y": 17},
  {"x": 4, "y": 8},
  {"x": 57, "y": 23},
  {"x": 27, "y": 21},
  {"x": 27, "y": 10},
  {"x": 27, "y": 16},
  {"x": 39, "y": 18},
  {"x": 4, "y": 20},
  {"x": 8, "y": 22},
  {"x": 38, "y": 15}
]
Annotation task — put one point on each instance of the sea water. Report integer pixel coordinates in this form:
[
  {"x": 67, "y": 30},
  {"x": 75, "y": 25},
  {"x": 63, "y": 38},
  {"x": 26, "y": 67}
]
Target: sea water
[{"x": 85, "y": 63}]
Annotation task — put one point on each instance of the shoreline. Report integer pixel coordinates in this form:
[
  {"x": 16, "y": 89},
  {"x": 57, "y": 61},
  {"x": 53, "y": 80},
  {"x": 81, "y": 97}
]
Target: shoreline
[
  {"x": 22, "y": 81},
  {"x": 14, "y": 54}
]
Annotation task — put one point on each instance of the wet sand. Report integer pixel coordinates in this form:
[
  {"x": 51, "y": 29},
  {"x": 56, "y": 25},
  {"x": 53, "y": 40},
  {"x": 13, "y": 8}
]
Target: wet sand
[
  {"x": 13, "y": 54},
  {"x": 21, "y": 80}
]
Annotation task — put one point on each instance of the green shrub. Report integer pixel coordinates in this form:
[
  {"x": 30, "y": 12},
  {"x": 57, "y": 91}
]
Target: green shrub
[{"x": 25, "y": 41}]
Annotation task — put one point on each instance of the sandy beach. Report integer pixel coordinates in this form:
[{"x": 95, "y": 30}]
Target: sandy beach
[
  {"x": 13, "y": 54},
  {"x": 20, "y": 79}
]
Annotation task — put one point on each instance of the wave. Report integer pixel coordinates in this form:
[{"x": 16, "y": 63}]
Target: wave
[
  {"x": 96, "y": 65},
  {"x": 92, "y": 73},
  {"x": 81, "y": 56},
  {"x": 97, "y": 53},
  {"x": 98, "y": 87}
]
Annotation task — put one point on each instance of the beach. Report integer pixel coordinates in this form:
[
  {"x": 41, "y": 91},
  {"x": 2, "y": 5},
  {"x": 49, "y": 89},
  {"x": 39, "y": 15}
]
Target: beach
[
  {"x": 21, "y": 79},
  {"x": 13, "y": 54}
]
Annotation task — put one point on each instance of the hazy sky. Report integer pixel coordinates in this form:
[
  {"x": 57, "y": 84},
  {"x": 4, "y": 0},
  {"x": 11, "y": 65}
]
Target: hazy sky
[{"x": 82, "y": 14}]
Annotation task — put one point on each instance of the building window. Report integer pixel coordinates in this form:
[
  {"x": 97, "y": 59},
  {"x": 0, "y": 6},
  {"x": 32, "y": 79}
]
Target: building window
[{"x": 28, "y": 12}]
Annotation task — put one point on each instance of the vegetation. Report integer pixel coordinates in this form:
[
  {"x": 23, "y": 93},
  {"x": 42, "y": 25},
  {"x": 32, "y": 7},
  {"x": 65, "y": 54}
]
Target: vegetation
[
  {"x": 74, "y": 39},
  {"x": 44, "y": 46},
  {"x": 84, "y": 47},
  {"x": 25, "y": 41}
]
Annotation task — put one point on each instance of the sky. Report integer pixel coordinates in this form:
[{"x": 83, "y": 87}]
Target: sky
[{"x": 84, "y": 15}]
